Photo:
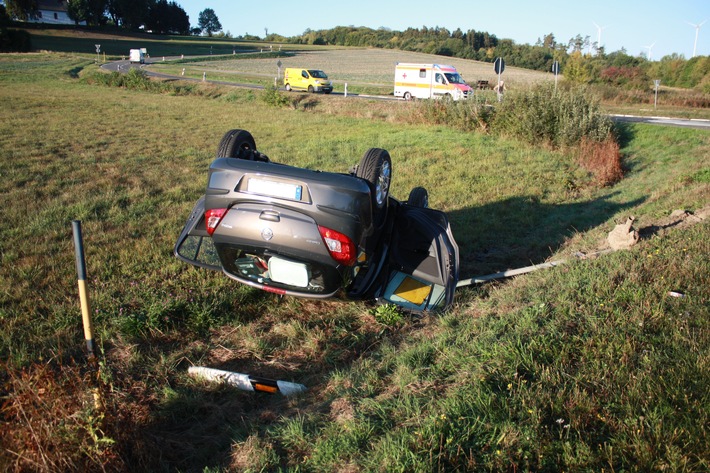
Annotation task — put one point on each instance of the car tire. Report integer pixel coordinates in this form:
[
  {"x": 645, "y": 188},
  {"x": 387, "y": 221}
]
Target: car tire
[
  {"x": 419, "y": 197},
  {"x": 376, "y": 168},
  {"x": 310, "y": 89},
  {"x": 288, "y": 88},
  {"x": 237, "y": 144},
  {"x": 407, "y": 96}
]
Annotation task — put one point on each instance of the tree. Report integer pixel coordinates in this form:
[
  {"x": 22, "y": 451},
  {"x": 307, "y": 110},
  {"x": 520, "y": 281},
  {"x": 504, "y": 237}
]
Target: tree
[
  {"x": 167, "y": 17},
  {"x": 548, "y": 41},
  {"x": 578, "y": 44},
  {"x": 4, "y": 17},
  {"x": 90, "y": 11},
  {"x": 578, "y": 68},
  {"x": 129, "y": 13},
  {"x": 208, "y": 21},
  {"x": 21, "y": 9}
]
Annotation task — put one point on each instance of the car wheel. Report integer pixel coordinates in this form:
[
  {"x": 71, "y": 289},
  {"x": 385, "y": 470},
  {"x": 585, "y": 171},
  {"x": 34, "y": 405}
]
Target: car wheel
[
  {"x": 310, "y": 89},
  {"x": 407, "y": 96},
  {"x": 288, "y": 87},
  {"x": 419, "y": 197},
  {"x": 376, "y": 167},
  {"x": 237, "y": 144}
]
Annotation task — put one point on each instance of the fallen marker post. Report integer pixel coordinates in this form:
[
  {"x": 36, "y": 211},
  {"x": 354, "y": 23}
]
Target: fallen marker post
[
  {"x": 246, "y": 382},
  {"x": 83, "y": 293},
  {"x": 86, "y": 311},
  {"x": 527, "y": 269}
]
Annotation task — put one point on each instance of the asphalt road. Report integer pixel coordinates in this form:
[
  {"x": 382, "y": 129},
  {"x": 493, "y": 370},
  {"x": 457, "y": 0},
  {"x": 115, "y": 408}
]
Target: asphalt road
[
  {"x": 667, "y": 121},
  {"x": 125, "y": 65}
]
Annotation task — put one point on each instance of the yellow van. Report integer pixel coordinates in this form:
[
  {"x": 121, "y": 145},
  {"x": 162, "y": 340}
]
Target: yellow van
[{"x": 311, "y": 80}]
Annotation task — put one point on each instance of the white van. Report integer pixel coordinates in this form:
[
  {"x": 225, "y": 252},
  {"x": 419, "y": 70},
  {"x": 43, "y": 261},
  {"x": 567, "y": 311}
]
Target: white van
[
  {"x": 137, "y": 56},
  {"x": 426, "y": 81}
]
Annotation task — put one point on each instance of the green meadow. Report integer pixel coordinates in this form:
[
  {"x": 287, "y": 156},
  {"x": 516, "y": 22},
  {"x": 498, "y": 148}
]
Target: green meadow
[{"x": 595, "y": 365}]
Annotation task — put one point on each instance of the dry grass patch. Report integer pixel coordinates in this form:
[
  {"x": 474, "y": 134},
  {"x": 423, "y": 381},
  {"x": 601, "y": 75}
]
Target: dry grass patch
[{"x": 602, "y": 159}]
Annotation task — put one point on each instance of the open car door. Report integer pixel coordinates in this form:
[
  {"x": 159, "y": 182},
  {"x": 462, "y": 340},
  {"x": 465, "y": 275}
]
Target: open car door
[
  {"x": 423, "y": 262},
  {"x": 194, "y": 245}
]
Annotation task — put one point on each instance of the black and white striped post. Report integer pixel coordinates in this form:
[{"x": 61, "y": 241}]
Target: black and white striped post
[{"x": 83, "y": 292}]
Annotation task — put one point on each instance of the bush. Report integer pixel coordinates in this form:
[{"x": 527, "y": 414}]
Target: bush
[
  {"x": 468, "y": 115},
  {"x": 133, "y": 79},
  {"x": 559, "y": 118},
  {"x": 137, "y": 79},
  {"x": 14, "y": 41},
  {"x": 272, "y": 96}
]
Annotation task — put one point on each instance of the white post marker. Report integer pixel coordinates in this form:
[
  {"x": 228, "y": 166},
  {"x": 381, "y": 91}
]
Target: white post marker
[
  {"x": 556, "y": 70},
  {"x": 246, "y": 382}
]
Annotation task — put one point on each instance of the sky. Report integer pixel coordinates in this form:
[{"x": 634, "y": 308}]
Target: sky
[{"x": 639, "y": 27}]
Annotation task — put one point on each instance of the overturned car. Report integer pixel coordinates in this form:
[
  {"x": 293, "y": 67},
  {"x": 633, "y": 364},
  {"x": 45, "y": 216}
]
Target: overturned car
[{"x": 316, "y": 234}]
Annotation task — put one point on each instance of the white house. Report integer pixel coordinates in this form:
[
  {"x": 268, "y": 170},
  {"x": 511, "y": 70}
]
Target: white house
[{"x": 52, "y": 12}]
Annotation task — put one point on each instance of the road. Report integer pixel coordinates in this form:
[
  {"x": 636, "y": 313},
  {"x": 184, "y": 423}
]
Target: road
[
  {"x": 667, "y": 121},
  {"x": 125, "y": 65}
]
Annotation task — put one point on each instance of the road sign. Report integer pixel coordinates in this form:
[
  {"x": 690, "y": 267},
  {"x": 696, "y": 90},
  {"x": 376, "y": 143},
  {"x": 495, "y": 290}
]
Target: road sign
[
  {"x": 499, "y": 65},
  {"x": 98, "y": 48},
  {"x": 556, "y": 67}
]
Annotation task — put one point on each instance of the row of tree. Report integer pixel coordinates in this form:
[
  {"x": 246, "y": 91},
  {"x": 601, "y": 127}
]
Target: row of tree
[
  {"x": 158, "y": 16},
  {"x": 581, "y": 60}
]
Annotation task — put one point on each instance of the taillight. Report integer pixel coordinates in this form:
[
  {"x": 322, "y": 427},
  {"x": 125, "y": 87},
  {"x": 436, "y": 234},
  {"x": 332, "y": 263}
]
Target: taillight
[
  {"x": 212, "y": 219},
  {"x": 341, "y": 248}
]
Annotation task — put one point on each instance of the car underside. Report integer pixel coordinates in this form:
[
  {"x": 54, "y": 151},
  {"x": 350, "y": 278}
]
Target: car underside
[{"x": 316, "y": 234}]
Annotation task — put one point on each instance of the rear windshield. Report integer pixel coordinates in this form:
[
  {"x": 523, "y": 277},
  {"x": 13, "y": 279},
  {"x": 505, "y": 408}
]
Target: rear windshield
[{"x": 317, "y": 74}]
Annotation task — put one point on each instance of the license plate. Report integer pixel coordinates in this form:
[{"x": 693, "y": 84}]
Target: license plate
[
  {"x": 283, "y": 190},
  {"x": 288, "y": 272}
]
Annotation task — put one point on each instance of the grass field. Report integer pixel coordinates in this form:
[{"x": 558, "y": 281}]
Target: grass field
[
  {"x": 366, "y": 71},
  {"x": 588, "y": 367},
  {"x": 362, "y": 68}
]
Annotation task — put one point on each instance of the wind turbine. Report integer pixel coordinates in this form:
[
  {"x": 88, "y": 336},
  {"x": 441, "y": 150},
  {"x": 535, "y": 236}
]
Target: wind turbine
[
  {"x": 599, "y": 35},
  {"x": 697, "y": 30},
  {"x": 649, "y": 50}
]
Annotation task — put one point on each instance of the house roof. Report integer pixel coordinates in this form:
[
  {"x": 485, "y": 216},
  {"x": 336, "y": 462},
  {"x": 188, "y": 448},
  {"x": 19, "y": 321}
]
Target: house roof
[{"x": 52, "y": 5}]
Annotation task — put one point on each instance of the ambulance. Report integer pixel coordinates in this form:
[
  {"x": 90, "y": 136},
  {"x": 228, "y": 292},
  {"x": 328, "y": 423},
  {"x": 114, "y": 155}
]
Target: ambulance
[
  {"x": 312, "y": 80},
  {"x": 426, "y": 81}
]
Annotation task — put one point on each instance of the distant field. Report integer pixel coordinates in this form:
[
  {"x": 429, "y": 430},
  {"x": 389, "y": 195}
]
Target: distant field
[
  {"x": 366, "y": 66},
  {"x": 357, "y": 66}
]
